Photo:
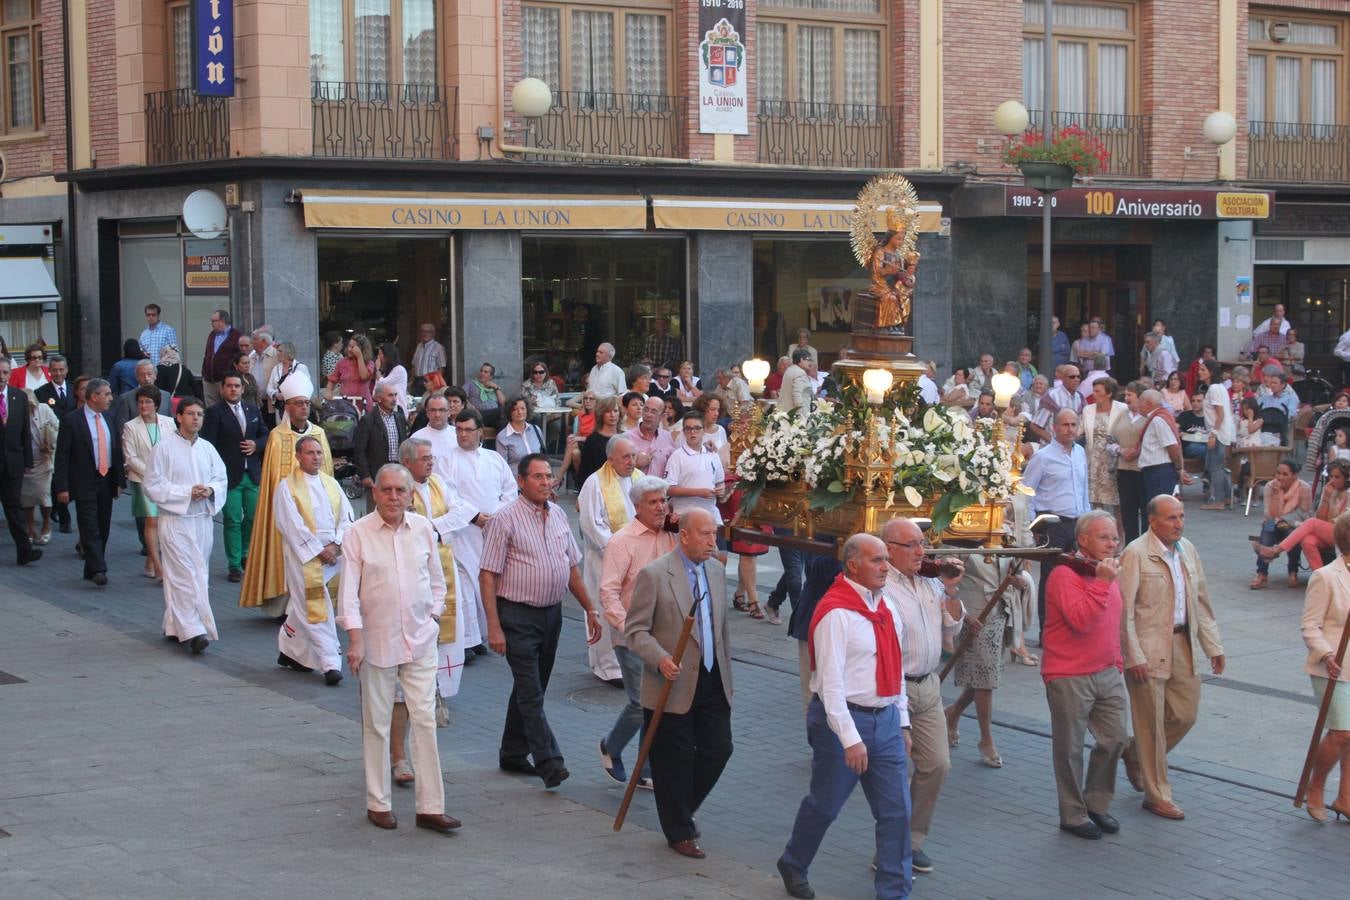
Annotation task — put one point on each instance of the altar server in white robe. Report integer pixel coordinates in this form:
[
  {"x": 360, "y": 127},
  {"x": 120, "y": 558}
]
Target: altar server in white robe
[
  {"x": 187, "y": 480},
  {"x": 434, "y": 498},
  {"x": 484, "y": 482},
  {"x": 605, "y": 508},
  {"x": 313, "y": 515}
]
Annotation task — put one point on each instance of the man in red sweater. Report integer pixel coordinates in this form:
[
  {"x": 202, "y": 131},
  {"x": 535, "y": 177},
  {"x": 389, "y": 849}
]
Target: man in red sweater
[{"x": 1084, "y": 677}]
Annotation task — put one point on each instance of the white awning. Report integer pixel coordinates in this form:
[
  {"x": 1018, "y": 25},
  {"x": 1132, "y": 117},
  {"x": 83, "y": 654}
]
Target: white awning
[{"x": 24, "y": 279}]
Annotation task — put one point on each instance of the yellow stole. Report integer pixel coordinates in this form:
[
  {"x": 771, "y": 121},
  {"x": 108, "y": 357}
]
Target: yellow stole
[
  {"x": 439, "y": 508},
  {"x": 316, "y": 604},
  {"x": 611, "y": 492}
]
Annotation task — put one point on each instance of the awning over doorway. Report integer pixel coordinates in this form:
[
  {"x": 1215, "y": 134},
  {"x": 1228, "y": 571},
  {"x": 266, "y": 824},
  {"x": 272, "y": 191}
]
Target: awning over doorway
[
  {"x": 759, "y": 214},
  {"x": 24, "y": 279},
  {"x": 515, "y": 212}
]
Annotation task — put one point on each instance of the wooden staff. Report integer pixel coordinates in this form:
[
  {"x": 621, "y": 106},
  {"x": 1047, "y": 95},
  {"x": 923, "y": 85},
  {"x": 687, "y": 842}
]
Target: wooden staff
[
  {"x": 660, "y": 708},
  {"x": 1013, "y": 571},
  {"x": 1321, "y": 721}
]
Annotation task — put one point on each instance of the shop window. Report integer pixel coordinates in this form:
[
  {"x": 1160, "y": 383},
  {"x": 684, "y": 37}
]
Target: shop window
[
  {"x": 1093, "y": 62},
  {"x": 579, "y": 292},
  {"x": 373, "y": 42},
  {"x": 804, "y": 284},
  {"x": 1294, "y": 69},
  {"x": 819, "y": 53},
  {"x": 601, "y": 47},
  {"x": 151, "y": 267},
  {"x": 21, "y": 46},
  {"x": 384, "y": 288}
]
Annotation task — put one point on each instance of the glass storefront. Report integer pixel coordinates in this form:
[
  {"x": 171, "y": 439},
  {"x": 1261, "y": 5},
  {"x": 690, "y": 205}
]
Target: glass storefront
[
  {"x": 805, "y": 284},
  {"x": 159, "y": 264},
  {"x": 581, "y": 291},
  {"x": 384, "y": 287},
  {"x": 1316, "y": 302}
]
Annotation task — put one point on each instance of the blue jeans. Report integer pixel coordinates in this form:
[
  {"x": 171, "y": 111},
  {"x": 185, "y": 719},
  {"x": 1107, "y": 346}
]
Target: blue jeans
[
  {"x": 1272, "y": 534},
  {"x": 790, "y": 584},
  {"x": 884, "y": 783},
  {"x": 1220, "y": 485},
  {"x": 1158, "y": 480},
  {"x": 1193, "y": 450},
  {"x": 629, "y": 721}
]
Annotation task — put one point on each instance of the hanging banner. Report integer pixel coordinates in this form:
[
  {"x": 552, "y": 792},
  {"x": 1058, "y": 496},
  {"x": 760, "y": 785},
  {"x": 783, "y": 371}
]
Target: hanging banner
[
  {"x": 213, "y": 47},
  {"x": 206, "y": 267},
  {"x": 723, "y": 107}
]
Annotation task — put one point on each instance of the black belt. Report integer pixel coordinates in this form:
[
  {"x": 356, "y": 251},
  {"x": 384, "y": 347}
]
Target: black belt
[
  {"x": 914, "y": 678},
  {"x": 871, "y": 710},
  {"x": 1179, "y": 629}
]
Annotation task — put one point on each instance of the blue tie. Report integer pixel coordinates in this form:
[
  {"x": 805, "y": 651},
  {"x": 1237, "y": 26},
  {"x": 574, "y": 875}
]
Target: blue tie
[{"x": 705, "y": 634}]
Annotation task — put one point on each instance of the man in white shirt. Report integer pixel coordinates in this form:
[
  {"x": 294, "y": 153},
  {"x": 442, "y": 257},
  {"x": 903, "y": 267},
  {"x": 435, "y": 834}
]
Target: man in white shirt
[
  {"x": 930, "y": 612},
  {"x": 603, "y": 508},
  {"x": 1160, "y": 460},
  {"x": 798, "y": 388},
  {"x": 264, "y": 357},
  {"x": 1064, "y": 395},
  {"x": 982, "y": 377},
  {"x": 186, "y": 479},
  {"x": 1222, "y": 431},
  {"x": 696, "y": 475},
  {"x": 1159, "y": 361},
  {"x": 605, "y": 378},
  {"x": 391, "y": 597},
  {"x": 428, "y": 356},
  {"x": 484, "y": 482},
  {"x": 1278, "y": 317},
  {"x": 312, "y": 513},
  {"x": 858, "y": 721}
]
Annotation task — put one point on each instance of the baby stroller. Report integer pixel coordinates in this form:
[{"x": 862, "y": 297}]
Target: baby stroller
[
  {"x": 337, "y": 418},
  {"x": 1320, "y": 443}
]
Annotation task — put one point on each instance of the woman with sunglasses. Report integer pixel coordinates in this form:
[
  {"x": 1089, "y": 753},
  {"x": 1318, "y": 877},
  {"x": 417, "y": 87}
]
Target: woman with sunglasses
[
  {"x": 34, "y": 373},
  {"x": 539, "y": 387}
]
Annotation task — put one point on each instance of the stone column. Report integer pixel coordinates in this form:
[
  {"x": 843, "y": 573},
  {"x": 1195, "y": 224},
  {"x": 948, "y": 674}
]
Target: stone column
[
  {"x": 491, "y": 316},
  {"x": 723, "y": 305}
]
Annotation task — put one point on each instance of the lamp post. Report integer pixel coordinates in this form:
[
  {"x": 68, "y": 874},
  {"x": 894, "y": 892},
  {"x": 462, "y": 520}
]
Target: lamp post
[{"x": 531, "y": 98}]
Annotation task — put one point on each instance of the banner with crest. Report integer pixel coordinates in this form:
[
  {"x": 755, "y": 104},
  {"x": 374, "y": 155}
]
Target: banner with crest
[{"x": 723, "y": 106}]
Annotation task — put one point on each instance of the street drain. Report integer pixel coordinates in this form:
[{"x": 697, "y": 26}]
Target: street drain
[{"x": 601, "y": 695}]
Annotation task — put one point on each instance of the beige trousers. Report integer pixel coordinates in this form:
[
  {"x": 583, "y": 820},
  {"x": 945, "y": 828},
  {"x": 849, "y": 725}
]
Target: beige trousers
[
  {"x": 930, "y": 760},
  {"x": 1163, "y": 710},
  {"x": 418, "y": 680},
  {"x": 1079, "y": 704}
]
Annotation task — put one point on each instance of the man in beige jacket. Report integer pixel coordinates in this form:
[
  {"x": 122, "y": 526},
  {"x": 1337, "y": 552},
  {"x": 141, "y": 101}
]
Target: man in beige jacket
[{"x": 1166, "y": 626}]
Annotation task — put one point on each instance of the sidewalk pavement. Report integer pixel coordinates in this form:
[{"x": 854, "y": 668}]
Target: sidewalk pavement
[{"x": 129, "y": 768}]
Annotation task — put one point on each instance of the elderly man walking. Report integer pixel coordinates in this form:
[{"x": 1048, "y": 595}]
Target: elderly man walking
[
  {"x": 529, "y": 561},
  {"x": 392, "y": 596},
  {"x": 1081, "y": 666},
  {"x": 629, "y": 551},
  {"x": 604, "y": 509},
  {"x": 931, "y": 613},
  {"x": 1166, "y": 627},
  {"x": 857, "y": 722},
  {"x": 1159, "y": 450}
]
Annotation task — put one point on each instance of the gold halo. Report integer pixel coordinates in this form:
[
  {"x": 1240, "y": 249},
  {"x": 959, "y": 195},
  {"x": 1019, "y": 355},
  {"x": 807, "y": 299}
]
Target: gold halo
[{"x": 894, "y": 195}]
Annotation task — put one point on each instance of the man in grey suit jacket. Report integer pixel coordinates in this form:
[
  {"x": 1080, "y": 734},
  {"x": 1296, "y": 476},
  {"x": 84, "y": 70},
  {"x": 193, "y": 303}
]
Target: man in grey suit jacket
[{"x": 693, "y": 742}]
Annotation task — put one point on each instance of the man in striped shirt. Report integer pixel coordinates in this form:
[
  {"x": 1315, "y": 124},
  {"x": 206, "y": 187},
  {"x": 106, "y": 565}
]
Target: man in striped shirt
[{"x": 529, "y": 561}]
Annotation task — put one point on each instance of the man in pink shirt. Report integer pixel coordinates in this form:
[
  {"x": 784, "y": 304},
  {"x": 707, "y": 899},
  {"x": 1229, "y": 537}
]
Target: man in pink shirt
[
  {"x": 1084, "y": 676},
  {"x": 390, "y": 601},
  {"x": 653, "y": 443},
  {"x": 628, "y": 552}
]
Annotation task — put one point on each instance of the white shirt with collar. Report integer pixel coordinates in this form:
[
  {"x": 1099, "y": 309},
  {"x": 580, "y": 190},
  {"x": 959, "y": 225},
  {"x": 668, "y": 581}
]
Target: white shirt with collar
[
  {"x": 919, "y": 601},
  {"x": 607, "y": 381},
  {"x": 1158, "y": 437},
  {"x": 1172, "y": 556},
  {"x": 845, "y": 648}
]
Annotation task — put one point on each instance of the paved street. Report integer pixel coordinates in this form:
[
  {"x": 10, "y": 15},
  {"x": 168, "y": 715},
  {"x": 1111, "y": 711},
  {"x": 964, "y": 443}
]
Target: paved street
[{"x": 128, "y": 768}]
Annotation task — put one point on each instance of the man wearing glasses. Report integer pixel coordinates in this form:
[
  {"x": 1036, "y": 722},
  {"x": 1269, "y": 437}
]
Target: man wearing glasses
[
  {"x": 221, "y": 346},
  {"x": 1064, "y": 395},
  {"x": 662, "y": 385},
  {"x": 157, "y": 335},
  {"x": 695, "y": 474}
]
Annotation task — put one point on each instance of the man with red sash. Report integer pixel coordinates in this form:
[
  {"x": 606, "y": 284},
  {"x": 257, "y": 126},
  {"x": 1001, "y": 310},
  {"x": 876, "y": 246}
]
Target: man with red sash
[
  {"x": 312, "y": 516},
  {"x": 857, "y": 722}
]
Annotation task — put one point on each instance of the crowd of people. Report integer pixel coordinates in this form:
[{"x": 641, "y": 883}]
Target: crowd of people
[{"x": 464, "y": 550}]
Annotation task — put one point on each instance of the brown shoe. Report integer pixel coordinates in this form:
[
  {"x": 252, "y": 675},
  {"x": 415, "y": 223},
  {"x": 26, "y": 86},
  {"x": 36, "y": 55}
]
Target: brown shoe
[
  {"x": 384, "y": 818},
  {"x": 689, "y": 848},
  {"x": 437, "y": 822},
  {"x": 1166, "y": 810},
  {"x": 1133, "y": 774},
  {"x": 1258, "y": 583}
]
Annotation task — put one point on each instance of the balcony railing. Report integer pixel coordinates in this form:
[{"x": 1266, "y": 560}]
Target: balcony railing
[
  {"x": 843, "y": 135},
  {"x": 181, "y": 126},
  {"x": 380, "y": 120},
  {"x": 613, "y": 124},
  {"x": 1127, "y": 138},
  {"x": 1287, "y": 151}
]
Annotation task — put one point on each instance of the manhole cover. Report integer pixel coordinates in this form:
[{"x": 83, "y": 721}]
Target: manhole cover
[
  {"x": 601, "y": 695},
  {"x": 6, "y": 678}
]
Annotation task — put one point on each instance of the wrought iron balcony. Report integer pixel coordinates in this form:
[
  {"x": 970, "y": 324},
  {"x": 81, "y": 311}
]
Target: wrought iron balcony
[
  {"x": 614, "y": 124},
  {"x": 380, "y": 120},
  {"x": 1288, "y": 151},
  {"x": 1128, "y": 139},
  {"x": 843, "y": 135},
  {"x": 181, "y": 126}
]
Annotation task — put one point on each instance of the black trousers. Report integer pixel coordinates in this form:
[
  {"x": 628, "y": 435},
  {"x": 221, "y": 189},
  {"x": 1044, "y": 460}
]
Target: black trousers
[
  {"x": 1130, "y": 483},
  {"x": 688, "y": 755},
  {"x": 531, "y": 644},
  {"x": 1059, "y": 535},
  {"x": 10, "y": 491},
  {"x": 60, "y": 512},
  {"x": 93, "y": 516}
]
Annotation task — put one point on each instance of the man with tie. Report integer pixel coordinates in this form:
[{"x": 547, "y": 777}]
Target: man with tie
[
  {"x": 693, "y": 741},
  {"x": 238, "y": 432},
  {"x": 857, "y": 722},
  {"x": 58, "y": 396},
  {"x": 16, "y": 454},
  {"x": 89, "y": 469}
]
